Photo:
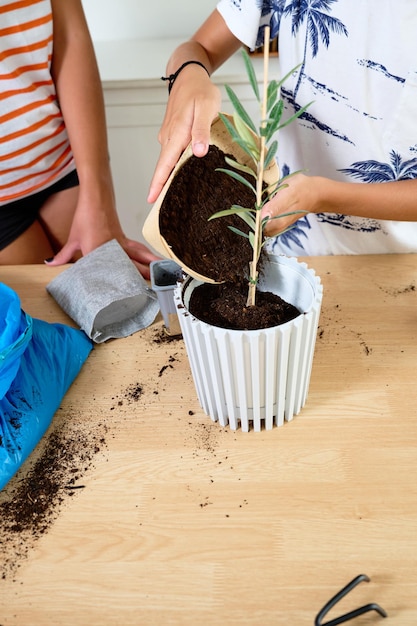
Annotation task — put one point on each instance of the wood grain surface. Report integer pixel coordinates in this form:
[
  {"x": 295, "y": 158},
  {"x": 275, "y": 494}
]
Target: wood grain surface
[{"x": 179, "y": 521}]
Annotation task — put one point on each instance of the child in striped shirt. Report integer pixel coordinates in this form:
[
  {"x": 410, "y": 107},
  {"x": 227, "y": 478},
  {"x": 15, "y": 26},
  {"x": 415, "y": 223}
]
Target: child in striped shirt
[{"x": 56, "y": 192}]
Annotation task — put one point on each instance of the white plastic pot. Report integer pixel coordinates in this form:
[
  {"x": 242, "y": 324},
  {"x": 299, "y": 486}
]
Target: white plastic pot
[{"x": 255, "y": 378}]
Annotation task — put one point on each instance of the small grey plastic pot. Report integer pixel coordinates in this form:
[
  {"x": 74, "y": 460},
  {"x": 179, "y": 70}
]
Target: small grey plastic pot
[{"x": 165, "y": 274}]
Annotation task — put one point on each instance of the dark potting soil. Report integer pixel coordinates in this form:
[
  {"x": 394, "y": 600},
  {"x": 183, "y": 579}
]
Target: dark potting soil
[
  {"x": 212, "y": 249},
  {"x": 31, "y": 502},
  {"x": 224, "y": 305}
]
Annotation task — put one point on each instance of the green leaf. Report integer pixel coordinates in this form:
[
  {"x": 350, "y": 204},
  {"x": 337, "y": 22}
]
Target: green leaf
[
  {"x": 237, "y": 177},
  {"x": 264, "y": 222},
  {"x": 251, "y": 73},
  {"x": 239, "y": 108},
  {"x": 251, "y": 238},
  {"x": 254, "y": 156},
  {"x": 282, "y": 184},
  {"x": 274, "y": 119},
  {"x": 288, "y": 214},
  {"x": 247, "y": 218},
  {"x": 282, "y": 232},
  {"x": 229, "y": 127},
  {"x": 272, "y": 189},
  {"x": 221, "y": 214},
  {"x": 272, "y": 150},
  {"x": 234, "y": 210},
  {"x": 296, "y": 115},
  {"x": 276, "y": 111},
  {"x": 236, "y": 138},
  {"x": 239, "y": 232},
  {"x": 245, "y": 133},
  {"x": 242, "y": 168},
  {"x": 272, "y": 94},
  {"x": 283, "y": 80}
]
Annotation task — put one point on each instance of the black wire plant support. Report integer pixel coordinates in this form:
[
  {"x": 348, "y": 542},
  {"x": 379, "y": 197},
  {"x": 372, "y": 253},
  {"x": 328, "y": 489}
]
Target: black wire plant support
[{"x": 352, "y": 614}]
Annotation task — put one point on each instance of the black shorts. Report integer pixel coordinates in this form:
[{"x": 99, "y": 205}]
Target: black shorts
[{"x": 17, "y": 216}]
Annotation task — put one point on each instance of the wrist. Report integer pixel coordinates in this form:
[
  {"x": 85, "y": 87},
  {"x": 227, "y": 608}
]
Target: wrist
[
  {"x": 326, "y": 195},
  {"x": 173, "y": 77}
]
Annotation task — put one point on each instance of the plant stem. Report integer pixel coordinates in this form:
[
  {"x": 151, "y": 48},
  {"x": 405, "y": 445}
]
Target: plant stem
[{"x": 253, "y": 266}]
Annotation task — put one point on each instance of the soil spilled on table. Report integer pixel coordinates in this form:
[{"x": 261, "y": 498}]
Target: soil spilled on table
[{"x": 31, "y": 503}]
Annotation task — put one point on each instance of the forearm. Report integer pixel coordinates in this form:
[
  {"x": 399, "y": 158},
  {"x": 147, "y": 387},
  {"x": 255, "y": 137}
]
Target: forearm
[
  {"x": 80, "y": 94},
  {"x": 212, "y": 45},
  {"x": 303, "y": 194},
  {"x": 395, "y": 200},
  {"x": 194, "y": 101},
  {"x": 188, "y": 51},
  {"x": 77, "y": 80}
]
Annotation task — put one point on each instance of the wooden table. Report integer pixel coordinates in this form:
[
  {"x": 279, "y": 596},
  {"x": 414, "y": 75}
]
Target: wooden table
[{"x": 178, "y": 521}]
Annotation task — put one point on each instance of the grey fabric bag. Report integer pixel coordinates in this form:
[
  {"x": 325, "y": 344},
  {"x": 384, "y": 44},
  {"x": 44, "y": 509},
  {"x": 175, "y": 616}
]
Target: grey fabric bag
[{"x": 105, "y": 294}]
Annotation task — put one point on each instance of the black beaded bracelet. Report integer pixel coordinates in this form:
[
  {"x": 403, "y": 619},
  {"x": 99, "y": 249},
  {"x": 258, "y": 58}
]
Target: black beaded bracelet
[{"x": 172, "y": 77}]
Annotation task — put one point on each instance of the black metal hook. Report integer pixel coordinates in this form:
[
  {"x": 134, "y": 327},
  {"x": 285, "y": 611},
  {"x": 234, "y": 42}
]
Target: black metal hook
[{"x": 352, "y": 614}]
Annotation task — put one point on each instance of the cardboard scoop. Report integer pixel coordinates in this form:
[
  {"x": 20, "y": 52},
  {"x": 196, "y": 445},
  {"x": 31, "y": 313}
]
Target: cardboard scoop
[{"x": 220, "y": 137}]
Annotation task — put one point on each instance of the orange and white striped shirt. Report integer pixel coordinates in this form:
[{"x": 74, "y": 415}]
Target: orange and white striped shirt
[{"x": 34, "y": 146}]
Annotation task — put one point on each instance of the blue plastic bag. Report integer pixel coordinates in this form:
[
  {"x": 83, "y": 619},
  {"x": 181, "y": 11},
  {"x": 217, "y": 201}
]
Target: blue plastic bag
[{"x": 38, "y": 363}]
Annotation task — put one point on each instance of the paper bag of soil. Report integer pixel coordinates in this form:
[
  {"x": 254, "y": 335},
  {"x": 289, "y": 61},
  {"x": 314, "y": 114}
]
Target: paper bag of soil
[
  {"x": 178, "y": 226},
  {"x": 38, "y": 363}
]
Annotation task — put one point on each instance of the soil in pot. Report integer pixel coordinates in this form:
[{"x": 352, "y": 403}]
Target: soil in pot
[
  {"x": 212, "y": 249},
  {"x": 224, "y": 305}
]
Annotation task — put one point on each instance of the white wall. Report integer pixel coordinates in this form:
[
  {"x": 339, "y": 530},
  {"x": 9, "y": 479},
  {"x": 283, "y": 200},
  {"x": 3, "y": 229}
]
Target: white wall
[{"x": 145, "y": 19}]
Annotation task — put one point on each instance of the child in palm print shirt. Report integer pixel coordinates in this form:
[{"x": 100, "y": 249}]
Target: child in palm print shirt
[{"x": 355, "y": 147}]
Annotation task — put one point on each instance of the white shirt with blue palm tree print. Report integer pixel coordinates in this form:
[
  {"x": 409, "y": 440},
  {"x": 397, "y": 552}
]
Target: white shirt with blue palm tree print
[{"x": 357, "y": 63}]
